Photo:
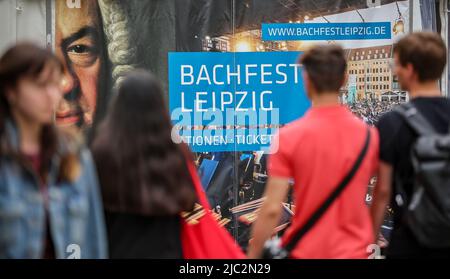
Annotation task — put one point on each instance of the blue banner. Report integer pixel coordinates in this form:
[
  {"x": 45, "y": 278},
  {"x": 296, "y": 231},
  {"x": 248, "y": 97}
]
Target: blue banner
[
  {"x": 234, "y": 101},
  {"x": 326, "y": 31}
]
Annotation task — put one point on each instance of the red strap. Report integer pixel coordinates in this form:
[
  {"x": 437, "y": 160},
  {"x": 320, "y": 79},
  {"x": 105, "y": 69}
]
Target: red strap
[{"x": 206, "y": 240}]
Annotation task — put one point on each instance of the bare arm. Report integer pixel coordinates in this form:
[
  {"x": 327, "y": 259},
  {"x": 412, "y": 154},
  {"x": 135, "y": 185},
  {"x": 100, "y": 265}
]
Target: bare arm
[
  {"x": 381, "y": 196},
  {"x": 269, "y": 216}
]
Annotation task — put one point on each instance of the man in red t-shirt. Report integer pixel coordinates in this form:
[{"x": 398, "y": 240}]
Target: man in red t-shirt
[{"x": 317, "y": 151}]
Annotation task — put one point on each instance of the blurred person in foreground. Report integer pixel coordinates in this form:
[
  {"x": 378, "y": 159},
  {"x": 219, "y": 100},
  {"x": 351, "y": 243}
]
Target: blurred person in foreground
[
  {"x": 148, "y": 180},
  {"x": 50, "y": 205}
]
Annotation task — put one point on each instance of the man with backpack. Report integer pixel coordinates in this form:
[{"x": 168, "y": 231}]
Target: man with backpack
[{"x": 414, "y": 172}]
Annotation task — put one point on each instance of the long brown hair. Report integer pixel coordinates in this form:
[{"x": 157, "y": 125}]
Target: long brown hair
[
  {"x": 28, "y": 60},
  {"x": 141, "y": 170}
]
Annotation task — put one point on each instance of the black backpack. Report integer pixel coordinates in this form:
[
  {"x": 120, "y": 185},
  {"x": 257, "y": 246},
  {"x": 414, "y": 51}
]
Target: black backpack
[{"x": 427, "y": 214}]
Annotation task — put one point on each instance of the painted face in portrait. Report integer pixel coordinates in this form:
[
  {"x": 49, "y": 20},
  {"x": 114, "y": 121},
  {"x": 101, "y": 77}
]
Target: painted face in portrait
[{"x": 79, "y": 43}]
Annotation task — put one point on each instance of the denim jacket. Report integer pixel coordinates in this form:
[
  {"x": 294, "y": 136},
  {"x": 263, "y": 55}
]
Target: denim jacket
[{"x": 75, "y": 211}]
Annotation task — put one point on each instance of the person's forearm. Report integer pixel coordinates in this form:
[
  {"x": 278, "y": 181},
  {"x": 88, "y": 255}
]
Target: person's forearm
[
  {"x": 263, "y": 228},
  {"x": 378, "y": 210},
  {"x": 381, "y": 196}
]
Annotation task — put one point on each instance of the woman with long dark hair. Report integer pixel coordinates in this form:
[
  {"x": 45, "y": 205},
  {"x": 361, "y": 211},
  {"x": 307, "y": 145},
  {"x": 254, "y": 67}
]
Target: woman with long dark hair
[
  {"x": 154, "y": 203},
  {"x": 143, "y": 174},
  {"x": 49, "y": 198}
]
